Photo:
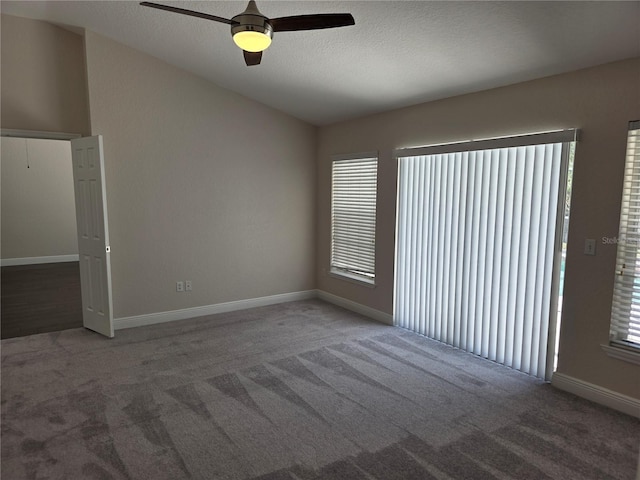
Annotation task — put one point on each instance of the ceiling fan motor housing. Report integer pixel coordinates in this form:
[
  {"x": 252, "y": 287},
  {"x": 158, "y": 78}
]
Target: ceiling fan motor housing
[
  {"x": 251, "y": 23},
  {"x": 251, "y": 20}
]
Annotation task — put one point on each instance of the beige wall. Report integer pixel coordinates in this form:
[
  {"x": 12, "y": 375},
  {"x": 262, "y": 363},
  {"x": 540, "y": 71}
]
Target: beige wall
[
  {"x": 600, "y": 101},
  {"x": 202, "y": 185},
  {"x": 43, "y": 83},
  {"x": 38, "y": 210}
]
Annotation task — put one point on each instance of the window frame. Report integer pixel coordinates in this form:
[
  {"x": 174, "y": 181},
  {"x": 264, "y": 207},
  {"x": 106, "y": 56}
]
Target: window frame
[{"x": 344, "y": 272}]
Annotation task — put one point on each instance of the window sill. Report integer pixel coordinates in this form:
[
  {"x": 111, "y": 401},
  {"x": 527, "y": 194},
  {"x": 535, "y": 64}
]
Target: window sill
[
  {"x": 621, "y": 353},
  {"x": 352, "y": 278}
]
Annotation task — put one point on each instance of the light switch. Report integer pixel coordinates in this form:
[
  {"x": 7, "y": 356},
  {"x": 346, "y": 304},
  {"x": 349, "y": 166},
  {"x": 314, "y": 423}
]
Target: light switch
[{"x": 589, "y": 246}]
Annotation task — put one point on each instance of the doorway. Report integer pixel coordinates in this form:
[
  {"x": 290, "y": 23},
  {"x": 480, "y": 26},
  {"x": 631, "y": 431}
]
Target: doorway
[{"x": 40, "y": 274}]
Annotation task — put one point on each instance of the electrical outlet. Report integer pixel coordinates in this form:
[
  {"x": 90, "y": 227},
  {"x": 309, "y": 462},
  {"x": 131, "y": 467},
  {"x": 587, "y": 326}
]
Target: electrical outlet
[
  {"x": 187, "y": 285},
  {"x": 180, "y": 286}
]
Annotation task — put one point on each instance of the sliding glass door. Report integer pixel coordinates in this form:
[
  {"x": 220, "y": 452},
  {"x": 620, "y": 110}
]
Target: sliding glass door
[{"x": 478, "y": 246}]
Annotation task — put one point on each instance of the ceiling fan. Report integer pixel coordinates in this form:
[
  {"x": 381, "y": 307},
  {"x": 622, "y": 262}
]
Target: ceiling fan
[{"x": 252, "y": 31}]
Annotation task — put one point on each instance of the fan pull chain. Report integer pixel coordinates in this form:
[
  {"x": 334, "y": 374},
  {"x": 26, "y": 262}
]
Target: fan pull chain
[{"x": 26, "y": 147}]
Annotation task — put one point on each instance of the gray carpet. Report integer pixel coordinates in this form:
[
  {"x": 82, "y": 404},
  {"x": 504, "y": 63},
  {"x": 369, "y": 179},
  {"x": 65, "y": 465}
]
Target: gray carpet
[{"x": 297, "y": 391}]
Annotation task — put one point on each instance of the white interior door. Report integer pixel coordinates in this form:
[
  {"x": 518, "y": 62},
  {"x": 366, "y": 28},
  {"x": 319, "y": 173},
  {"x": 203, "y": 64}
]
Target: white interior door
[{"x": 93, "y": 234}]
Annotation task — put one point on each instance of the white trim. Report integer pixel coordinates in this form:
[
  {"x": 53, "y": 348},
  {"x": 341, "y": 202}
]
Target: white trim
[
  {"x": 10, "y": 262},
  {"x": 595, "y": 393},
  {"x": 162, "y": 317},
  {"x": 193, "y": 312},
  {"x": 352, "y": 277},
  {"x": 7, "y": 132},
  {"x": 621, "y": 353},
  {"x": 354, "y": 156},
  {"x": 558, "y": 136},
  {"x": 372, "y": 313}
]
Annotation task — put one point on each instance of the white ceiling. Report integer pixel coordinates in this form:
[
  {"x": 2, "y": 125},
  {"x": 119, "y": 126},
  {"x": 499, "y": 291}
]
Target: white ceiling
[{"x": 398, "y": 53}]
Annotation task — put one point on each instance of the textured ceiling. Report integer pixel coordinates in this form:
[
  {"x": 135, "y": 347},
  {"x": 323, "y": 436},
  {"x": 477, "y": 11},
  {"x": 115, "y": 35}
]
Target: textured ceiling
[{"x": 399, "y": 53}]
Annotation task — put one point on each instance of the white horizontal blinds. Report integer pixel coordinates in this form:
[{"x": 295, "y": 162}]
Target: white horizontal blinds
[
  {"x": 475, "y": 246},
  {"x": 625, "y": 315},
  {"x": 353, "y": 212}
]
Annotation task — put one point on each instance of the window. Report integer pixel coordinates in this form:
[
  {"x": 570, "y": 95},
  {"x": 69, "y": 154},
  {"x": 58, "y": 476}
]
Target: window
[
  {"x": 625, "y": 312},
  {"x": 353, "y": 216},
  {"x": 479, "y": 245}
]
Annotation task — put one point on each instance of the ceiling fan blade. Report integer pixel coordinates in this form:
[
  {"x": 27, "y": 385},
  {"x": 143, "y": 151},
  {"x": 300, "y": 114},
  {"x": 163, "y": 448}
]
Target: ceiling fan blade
[
  {"x": 252, "y": 58},
  {"x": 191, "y": 13},
  {"x": 312, "y": 22}
]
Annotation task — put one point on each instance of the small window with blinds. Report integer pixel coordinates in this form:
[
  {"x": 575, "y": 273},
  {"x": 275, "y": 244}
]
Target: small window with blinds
[
  {"x": 353, "y": 216},
  {"x": 625, "y": 312}
]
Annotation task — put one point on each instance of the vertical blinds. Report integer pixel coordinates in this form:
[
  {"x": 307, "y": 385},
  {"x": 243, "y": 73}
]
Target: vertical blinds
[
  {"x": 353, "y": 214},
  {"x": 475, "y": 249},
  {"x": 625, "y": 312}
]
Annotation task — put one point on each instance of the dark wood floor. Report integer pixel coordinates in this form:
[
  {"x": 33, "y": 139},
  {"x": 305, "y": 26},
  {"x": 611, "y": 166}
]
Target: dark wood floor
[{"x": 40, "y": 298}]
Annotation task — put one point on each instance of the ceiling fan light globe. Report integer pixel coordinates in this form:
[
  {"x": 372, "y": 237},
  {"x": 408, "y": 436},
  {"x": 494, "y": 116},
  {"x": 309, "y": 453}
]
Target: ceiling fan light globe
[{"x": 252, "y": 41}]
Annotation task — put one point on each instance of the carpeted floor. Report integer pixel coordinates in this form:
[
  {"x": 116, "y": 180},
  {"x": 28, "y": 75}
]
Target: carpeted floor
[{"x": 297, "y": 391}]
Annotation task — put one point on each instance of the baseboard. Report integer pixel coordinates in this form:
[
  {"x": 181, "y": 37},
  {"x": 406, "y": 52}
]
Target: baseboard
[
  {"x": 356, "y": 307},
  {"x": 162, "y": 317},
  {"x": 595, "y": 393},
  {"x": 11, "y": 262}
]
